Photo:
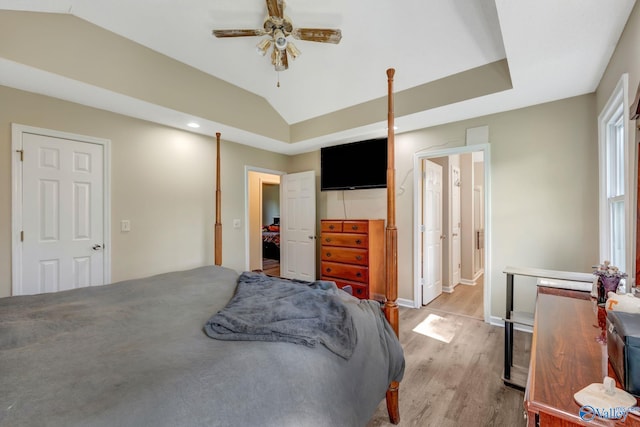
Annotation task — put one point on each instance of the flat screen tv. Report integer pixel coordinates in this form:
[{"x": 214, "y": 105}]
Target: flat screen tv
[{"x": 353, "y": 166}]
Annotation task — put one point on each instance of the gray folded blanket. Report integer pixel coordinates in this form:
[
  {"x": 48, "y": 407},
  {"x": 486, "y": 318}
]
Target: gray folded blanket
[{"x": 268, "y": 308}]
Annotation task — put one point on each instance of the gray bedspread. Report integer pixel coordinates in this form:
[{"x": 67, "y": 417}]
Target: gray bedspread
[
  {"x": 266, "y": 308},
  {"x": 135, "y": 353}
]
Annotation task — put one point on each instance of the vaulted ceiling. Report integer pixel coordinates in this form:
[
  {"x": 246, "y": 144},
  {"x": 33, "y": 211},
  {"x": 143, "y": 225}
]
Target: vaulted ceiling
[{"x": 157, "y": 60}]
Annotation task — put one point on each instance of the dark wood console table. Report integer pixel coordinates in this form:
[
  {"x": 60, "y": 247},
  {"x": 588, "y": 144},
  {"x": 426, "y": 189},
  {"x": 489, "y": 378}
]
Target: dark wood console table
[
  {"x": 567, "y": 354},
  {"x": 513, "y": 375}
]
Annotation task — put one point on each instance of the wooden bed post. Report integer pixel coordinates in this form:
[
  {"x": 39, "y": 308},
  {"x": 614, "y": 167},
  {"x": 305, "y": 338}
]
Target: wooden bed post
[
  {"x": 218, "y": 226},
  {"x": 391, "y": 288}
]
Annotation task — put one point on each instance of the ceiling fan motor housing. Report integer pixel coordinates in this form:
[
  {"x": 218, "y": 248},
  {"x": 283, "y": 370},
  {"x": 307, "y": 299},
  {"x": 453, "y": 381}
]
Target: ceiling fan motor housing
[{"x": 279, "y": 28}]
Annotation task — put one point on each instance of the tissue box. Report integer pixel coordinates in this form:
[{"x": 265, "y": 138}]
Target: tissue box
[{"x": 623, "y": 347}]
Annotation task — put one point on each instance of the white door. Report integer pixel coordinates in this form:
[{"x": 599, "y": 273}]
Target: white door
[
  {"x": 432, "y": 236},
  {"x": 456, "y": 248},
  {"x": 62, "y": 214},
  {"x": 298, "y": 226}
]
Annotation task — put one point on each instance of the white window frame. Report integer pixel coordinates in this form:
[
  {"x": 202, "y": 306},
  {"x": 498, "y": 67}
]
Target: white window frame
[{"x": 610, "y": 114}]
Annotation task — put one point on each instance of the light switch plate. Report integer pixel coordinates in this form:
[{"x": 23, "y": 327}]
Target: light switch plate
[{"x": 125, "y": 225}]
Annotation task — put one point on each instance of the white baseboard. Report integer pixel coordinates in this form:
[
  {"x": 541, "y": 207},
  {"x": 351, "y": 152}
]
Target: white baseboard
[
  {"x": 402, "y": 302},
  {"x": 468, "y": 282},
  {"x": 448, "y": 289}
]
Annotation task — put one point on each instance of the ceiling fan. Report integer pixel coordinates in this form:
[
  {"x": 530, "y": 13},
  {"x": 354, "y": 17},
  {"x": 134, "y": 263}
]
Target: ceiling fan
[{"x": 278, "y": 27}]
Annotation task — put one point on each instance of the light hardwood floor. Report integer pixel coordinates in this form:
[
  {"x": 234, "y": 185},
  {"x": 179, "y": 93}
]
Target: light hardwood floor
[
  {"x": 456, "y": 383},
  {"x": 467, "y": 300}
]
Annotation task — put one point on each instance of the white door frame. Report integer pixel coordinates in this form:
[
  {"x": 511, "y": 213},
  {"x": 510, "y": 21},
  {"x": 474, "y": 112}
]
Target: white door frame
[
  {"x": 247, "y": 169},
  {"x": 17, "y": 131},
  {"x": 417, "y": 204}
]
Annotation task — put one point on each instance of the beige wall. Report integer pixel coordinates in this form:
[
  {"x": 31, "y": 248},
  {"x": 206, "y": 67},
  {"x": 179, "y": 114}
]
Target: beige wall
[
  {"x": 544, "y": 212},
  {"x": 542, "y": 160},
  {"x": 162, "y": 180},
  {"x": 625, "y": 60}
]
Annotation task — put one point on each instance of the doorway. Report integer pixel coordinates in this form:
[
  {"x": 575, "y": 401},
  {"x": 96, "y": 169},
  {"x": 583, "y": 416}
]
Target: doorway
[
  {"x": 296, "y": 222},
  {"x": 271, "y": 228},
  {"x": 465, "y": 287},
  {"x": 263, "y": 211}
]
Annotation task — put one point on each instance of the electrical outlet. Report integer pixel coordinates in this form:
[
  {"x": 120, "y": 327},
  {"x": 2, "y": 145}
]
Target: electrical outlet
[{"x": 125, "y": 225}]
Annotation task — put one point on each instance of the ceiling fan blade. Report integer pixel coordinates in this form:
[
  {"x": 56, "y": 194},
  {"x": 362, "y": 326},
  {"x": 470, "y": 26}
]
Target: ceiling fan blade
[
  {"x": 275, "y": 8},
  {"x": 322, "y": 35},
  {"x": 238, "y": 33}
]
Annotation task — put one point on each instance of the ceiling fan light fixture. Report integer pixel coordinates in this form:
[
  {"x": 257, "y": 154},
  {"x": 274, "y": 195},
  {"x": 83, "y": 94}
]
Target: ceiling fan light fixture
[
  {"x": 263, "y": 47},
  {"x": 293, "y": 50},
  {"x": 280, "y": 39},
  {"x": 276, "y": 59}
]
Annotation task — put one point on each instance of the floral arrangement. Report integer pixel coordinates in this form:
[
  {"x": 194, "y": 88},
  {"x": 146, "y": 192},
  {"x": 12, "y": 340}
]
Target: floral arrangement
[{"x": 607, "y": 270}]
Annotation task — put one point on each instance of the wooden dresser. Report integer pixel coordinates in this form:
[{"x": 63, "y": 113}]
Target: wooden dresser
[
  {"x": 567, "y": 354},
  {"x": 353, "y": 254}
]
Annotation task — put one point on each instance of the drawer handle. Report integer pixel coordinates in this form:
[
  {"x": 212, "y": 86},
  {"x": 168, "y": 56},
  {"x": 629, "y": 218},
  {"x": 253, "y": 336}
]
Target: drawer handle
[
  {"x": 358, "y": 242},
  {"x": 331, "y": 227},
  {"x": 328, "y": 270},
  {"x": 354, "y": 227},
  {"x": 358, "y": 274},
  {"x": 359, "y": 257},
  {"x": 359, "y": 291},
  {"x": 327, "y": 239},
  {"x": 328, "y": 254}
]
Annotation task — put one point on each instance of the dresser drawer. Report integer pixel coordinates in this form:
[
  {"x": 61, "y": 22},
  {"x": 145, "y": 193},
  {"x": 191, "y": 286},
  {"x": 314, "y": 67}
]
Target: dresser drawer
[
  {"x": 345, "y": 271},
  {"x": 359, "y": 290},
  {"x": 331, "y": 226},
  {"x": 355, "y": 226},
  {"x": 352, "y": 254},
  {"x": 345, "y": 255},
  {"x": 345, "y": 239}
]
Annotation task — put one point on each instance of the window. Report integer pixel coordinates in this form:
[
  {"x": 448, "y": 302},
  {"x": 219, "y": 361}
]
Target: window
[{"x": 614, "y": 179}]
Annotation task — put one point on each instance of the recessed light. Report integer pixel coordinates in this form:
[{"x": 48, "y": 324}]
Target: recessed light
[{"x": 193, "y": 125}]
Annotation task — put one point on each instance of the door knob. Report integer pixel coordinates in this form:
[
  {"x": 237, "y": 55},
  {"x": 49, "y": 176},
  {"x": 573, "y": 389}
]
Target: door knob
[{"x": 96, "y": 247}]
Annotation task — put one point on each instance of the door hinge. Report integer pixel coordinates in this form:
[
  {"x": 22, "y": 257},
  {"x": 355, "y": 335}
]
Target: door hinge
[
  {"x": 422, "y": 281},
  {"x": 421, "y": 228},
  {"x": 21, "y": 154},
  {"x": 22, "y": 236}
]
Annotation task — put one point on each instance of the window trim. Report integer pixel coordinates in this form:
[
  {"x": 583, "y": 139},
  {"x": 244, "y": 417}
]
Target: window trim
[{"x": 619, "y": 96}]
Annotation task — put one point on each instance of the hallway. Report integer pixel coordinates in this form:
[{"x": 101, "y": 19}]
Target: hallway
[{"x": 465, "y": 300}]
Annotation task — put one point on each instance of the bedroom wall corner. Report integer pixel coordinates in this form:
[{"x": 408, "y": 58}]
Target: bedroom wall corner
[{"x": 163, "y": 182}]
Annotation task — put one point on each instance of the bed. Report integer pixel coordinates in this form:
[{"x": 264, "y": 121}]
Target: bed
[
  {"x": 159, "y": 351},
  {"x": 271, "y": 241},
  {"x": 134, "y": 354}
]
